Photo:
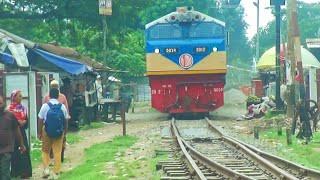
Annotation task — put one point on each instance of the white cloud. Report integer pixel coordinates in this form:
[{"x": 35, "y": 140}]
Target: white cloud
[{"x": 265, "y": 14}]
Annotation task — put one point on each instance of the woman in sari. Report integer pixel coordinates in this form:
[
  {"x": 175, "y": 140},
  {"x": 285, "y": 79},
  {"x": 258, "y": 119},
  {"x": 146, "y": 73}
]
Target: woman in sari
[{"x": 20, "y": 163}]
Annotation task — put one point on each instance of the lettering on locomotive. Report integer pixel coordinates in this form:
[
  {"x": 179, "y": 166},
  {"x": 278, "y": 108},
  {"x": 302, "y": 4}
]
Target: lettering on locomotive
[
  {"x": 200, "y": 49},
  {"x": 217, "y": 89},
  {"x": 171, "y": 50}
]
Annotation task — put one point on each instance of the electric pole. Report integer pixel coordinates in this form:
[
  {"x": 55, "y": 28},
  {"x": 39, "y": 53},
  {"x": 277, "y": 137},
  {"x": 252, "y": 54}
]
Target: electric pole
[
  {"x": 304, "y": 118},
  {"x": 257, "y": 4},
  {"x": 290, "y": 56},
  {"x": 277, "y": 4}
]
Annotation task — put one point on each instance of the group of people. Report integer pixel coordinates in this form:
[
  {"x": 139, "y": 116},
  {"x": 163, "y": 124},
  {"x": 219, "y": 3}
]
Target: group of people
[
  {"x": 52, "y": 128},
  {"x": 258, "y": 110}
]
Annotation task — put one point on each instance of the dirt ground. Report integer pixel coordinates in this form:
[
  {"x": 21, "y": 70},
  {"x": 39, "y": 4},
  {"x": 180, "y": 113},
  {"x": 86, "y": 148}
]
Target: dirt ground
[
  {"x": 146, "y": 125},
  {"x": 139, "y": 124}
]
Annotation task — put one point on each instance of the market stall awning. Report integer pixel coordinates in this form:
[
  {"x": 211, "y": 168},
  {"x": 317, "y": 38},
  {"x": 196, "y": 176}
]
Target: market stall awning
[
  {"x": 6, "y": 58},
  {"x": 74, "y": 55},
  {"x": 68, "y": 65},
  {"x": 268, "y": 59}
]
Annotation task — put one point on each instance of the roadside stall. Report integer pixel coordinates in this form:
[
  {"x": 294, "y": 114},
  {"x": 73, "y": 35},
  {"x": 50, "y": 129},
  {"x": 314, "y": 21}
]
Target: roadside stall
[
  {"x": 42, "y": 67},
  {"x": 266, "y": 67}
]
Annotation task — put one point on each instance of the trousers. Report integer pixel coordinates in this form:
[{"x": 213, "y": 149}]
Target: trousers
[
  {"x": 5, "y": 160},
  {"x": 56, "y": 145}
]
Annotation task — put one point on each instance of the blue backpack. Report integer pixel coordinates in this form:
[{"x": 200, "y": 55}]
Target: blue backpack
[{"x": 55, "y": 121}]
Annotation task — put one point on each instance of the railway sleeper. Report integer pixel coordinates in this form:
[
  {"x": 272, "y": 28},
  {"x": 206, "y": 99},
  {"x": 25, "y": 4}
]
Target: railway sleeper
[
  {"x": 214, "y": 178},
  {"x": 261, "y": 178},
  {"x": 172, "y": 165},
  {"x": 176, "y": 174},
  {"x": 253, "y": 174},
  {"x": 226, "y": 163},
  {"x": 161, "y": 166},
  {"x": 209, "y": 174},
  {"x": 176, "y": 178},
  {"x": 229, "y": 160},
  {"x": 243, "y": 168},
  {"x": 232, "y": 166},
  {"x": 173, "y": 168},
  {"x": 247, "y": 170},
  {"x": 169, "y": 161}
]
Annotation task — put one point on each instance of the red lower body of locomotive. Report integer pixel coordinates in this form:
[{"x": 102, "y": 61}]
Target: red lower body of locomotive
[{"x": 187, "y": 93}]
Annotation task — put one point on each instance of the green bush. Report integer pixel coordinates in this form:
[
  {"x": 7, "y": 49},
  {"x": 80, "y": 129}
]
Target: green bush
[{"x": 253, "y": 98}]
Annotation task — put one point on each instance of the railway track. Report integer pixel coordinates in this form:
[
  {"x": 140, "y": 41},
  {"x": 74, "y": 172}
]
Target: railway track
[
  {"x": 217, "y": 156},
  {"x": 296, "y": 170}
]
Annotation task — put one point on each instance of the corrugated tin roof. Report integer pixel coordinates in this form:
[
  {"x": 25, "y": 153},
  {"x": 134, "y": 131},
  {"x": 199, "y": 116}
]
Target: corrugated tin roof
[{"x": 72, "y": 54}]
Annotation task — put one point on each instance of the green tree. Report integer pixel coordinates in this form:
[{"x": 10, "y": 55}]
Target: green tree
[
  {"x": 77, "y": 24},
  {"x": 307, "y": 13}
]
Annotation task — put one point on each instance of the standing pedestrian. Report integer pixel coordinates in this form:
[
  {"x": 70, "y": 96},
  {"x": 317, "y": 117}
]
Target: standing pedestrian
[
  {"x": 52, "y": 126},
  {"x": 62, "y": 99},
  {"x": 9, "y": 132},
  {"x": 67, "y": 90},
  {"x": 20, "y": 163},
  {"x": 98, "y": 86}
]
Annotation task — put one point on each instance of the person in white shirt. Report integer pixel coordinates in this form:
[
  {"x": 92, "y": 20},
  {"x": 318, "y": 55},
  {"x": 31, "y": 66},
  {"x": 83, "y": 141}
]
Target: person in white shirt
[
  {"x": 99, "y": 87},
  {"x": 47, "y": 142}
]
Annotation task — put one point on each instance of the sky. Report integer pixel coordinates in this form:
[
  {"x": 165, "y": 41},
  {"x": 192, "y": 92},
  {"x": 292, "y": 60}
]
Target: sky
[{"x": 265, "y": 14}]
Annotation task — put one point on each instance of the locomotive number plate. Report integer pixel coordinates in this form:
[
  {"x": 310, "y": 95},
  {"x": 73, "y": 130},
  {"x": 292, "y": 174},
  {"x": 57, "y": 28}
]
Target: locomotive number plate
[
  {"x": 200, "y": 49},
  {"x": 171, "y": 50}
]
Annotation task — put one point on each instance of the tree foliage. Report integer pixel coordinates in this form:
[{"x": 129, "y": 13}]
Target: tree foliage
[
  {"x": 309, "y": 24},
  {"x": 77, "y": 24}
]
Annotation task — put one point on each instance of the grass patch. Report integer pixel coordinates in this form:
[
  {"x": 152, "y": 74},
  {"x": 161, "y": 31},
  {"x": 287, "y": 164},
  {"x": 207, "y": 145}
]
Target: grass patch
[
  {"x": 73, "y": 138},
  {"x": 36, "y": 152},
  {"x": 93, "y": 125},
  {"x": 159, "y": 156},
  {"x": 305, "y": 154},
  {"x": 96, "y": 158}
]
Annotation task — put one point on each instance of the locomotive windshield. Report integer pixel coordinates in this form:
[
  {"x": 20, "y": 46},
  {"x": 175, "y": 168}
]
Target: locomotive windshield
[{"x": 186, "y": 30}]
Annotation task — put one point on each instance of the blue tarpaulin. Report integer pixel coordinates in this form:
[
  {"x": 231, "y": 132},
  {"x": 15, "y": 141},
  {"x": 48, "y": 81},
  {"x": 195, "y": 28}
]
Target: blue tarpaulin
[
  {"x": 6, "y": 58},
  {"x": 68, "y": 65}
]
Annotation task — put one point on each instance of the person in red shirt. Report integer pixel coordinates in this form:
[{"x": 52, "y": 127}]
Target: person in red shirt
[
  {"x": 20, "y": 163},
  {"x": 62, "y": 98}
]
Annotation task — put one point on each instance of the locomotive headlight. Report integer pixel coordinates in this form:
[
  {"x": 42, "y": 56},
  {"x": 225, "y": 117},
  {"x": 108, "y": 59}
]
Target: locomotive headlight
[
  {"x": 188, "y": 16},
  {"x": 156, "y": 50},
  {"x": 214, "y": 49}
]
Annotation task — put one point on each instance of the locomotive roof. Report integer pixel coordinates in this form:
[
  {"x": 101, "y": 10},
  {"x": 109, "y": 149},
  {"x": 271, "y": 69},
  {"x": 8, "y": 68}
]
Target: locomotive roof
[{"x": 165, "y": 19}]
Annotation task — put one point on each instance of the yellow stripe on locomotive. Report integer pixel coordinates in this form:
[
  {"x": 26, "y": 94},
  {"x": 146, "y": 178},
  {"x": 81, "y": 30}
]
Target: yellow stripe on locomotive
[{"x": 214, "y": 63}]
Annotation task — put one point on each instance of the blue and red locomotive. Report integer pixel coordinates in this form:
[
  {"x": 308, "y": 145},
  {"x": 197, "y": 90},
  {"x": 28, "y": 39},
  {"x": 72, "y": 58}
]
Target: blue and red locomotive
[{"x": 186, "y": 62}]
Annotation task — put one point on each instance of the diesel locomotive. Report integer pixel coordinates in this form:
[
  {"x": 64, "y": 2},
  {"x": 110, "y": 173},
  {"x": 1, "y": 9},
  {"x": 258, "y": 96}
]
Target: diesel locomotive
[{"x": 186, "y": 62}]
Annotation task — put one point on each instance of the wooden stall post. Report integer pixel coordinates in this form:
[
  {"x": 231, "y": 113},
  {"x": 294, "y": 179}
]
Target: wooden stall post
[
  {"x": 256, "y": 132},
  {"x": 279, "y": 130},
  {"x": 123, "y": 118},
  {"x": 289, "y": 136}
]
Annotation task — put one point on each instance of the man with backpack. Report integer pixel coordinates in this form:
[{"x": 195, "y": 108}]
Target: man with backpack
[{"x": 52, "y": 126}]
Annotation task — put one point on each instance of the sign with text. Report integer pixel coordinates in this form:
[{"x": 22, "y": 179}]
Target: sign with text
[
  {"x": 277, "y": 2},
  {"x": 105, "y": 7}
]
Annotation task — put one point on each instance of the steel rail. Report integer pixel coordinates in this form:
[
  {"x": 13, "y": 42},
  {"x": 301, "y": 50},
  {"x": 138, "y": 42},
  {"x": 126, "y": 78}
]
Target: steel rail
[
  {"x": 216, "y": 166},
  {"x": 280, "y": 173},
  {"x": 298, "y": 169},
  {"x": 195, "y": 167}
]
